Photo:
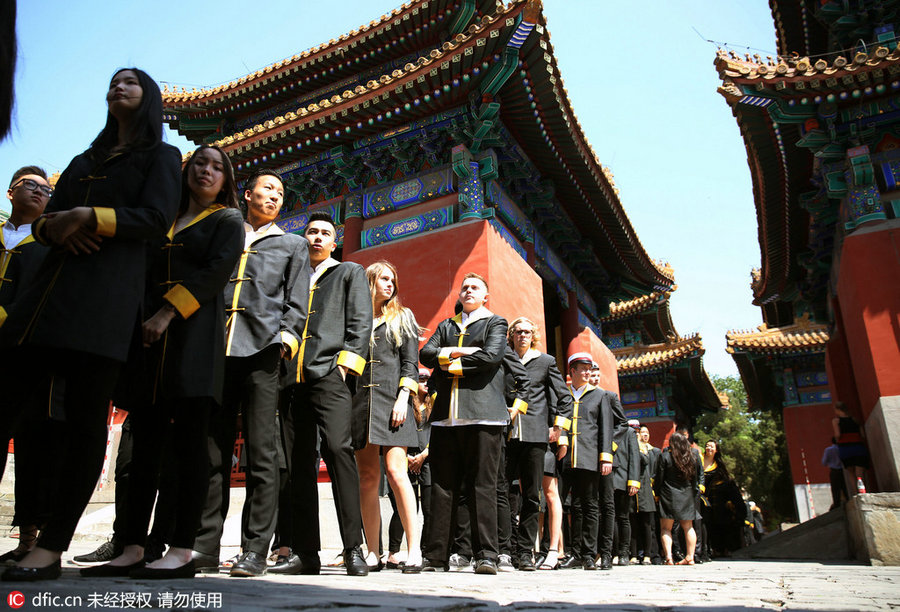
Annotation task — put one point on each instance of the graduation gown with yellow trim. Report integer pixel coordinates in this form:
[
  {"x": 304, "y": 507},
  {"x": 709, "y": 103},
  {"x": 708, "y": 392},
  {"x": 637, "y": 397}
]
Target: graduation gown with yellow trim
[
  {"x": 190, "y": 270},
  {"x": 339, "y": 325},
  {"x": 627, "y": 462},
  {"x": 474, "y": 386},
  {"x": 266, "y": 297},
  {"x": 93, "y": 302},
  {"x": 549, "y": 400},
  {"x": 389, "y": 368},
  {"x": 18, "y": 267}
]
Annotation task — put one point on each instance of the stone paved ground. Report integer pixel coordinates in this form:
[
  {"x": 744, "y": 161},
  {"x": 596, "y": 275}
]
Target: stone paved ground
[{"x": 732, "y": 585}]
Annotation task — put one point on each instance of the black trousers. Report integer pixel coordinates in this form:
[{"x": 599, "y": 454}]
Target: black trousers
[
  {"x": 83, "y": 385},
  {"x": 607, "y": 525},
  {"x": 641, "y": 534},
  {"x": 584, "y": 487},
  {"x": 37, "y": 470},
  {"x": 464, "y": 456},
  {"x": 321, "y": 406},
  {"x": 251, "y": 389},
  {"x": 505, "y": 541},
  {"x": 838, "y": 487},
  {"x": 623, "y": 521},
  {"x": 189, "y": 430},
  {"x": 525, "y": 462}
]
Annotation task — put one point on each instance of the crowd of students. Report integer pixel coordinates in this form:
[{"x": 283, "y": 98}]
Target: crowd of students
[{"x": 138, "y": 281}]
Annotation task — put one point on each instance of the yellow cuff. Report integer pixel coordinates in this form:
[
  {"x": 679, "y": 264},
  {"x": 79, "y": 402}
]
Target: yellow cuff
[
  {"x": 606, "y": 458},
  {"x": 183, "y": 301},
  {"x": 352, "y": 362},
  {"x": 106, "y": 221},
  {"x": 2, "y": 316},
  {"x": 455, "y": 367},
  {"x": 409, "y": 383},
  {"x": 634, "y": 483},
  {"x": 291, "y": 341},
  {"x": 563, "y": 441},
  {"x": 520, "y": 406},
  {"x": 563, "y": 423},
  {"x": 38, "y": 228},
  {"x": 444, "y": 356},
  {"x": 703, "y": 488}
]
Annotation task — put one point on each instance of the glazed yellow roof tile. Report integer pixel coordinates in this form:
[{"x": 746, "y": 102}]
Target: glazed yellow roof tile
[
  {"x": 637, "y": 358},
  {"x": 803, "y": 335},
  {"x": 626, "y": 308},
  {"x": 194, "y": 94},
  {"x": 732, "y": 67}
]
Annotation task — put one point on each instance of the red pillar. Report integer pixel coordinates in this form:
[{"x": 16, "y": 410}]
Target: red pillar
[
  {"x": 352, "y": 234},
  {"x": 869, "y": 298}
]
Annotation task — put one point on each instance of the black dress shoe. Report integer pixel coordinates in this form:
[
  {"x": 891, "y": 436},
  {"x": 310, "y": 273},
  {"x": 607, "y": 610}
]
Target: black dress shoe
[
  {"x": 411, "y": 569},
  {"x": 588, "y": 563},
  {"x": 250, "y": 564},
  {"x": 110, "y": 571},
  {"x": 486, "y": 566},
  {"x": 434, "y": 566},
  {"x": 605, "y": 562},
  {"x": 286, "y": 565},
  {"x": 204, "y": 563},
  {"x": 540, "y": 560},
  {"x": 572, "y": 562},
  {"x": 32, "y": 574},
  {"x": 355, "y": 562},
  {"x": 623, "y": 560},
  {"x": 525, "y": 564},
  {"x": 159, "y": 573}
]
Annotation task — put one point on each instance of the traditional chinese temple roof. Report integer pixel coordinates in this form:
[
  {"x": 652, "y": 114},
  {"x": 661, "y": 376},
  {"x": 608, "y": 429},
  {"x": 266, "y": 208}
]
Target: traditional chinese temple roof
[
  {"x": 640, "y": 358},
  {"x": 803, "y": 336},
  {"x": 303, "y": 111}
]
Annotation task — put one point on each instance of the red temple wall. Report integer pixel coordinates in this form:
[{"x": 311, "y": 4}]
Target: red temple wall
[
  {"x": 869, "y": 296},
  {"x": 431, "y": 266},
  {"x": 807, "y": 430}
]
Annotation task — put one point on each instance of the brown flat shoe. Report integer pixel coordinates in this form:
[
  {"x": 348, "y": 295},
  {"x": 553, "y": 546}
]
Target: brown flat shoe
[{"x": 686, "y": 562}]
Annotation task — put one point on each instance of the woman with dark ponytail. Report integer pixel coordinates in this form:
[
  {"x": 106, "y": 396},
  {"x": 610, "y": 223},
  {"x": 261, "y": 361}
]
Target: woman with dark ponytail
[
  {"x": 77, "y": 321},
  {"x": 677, "y": 482}
]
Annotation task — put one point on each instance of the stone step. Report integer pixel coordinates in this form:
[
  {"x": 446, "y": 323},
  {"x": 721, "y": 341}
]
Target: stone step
[{"x": 824, "y": 538}]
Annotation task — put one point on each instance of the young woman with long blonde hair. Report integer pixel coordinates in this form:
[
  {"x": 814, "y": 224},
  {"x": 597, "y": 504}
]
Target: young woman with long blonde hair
[{"x": 384, "y": 395}]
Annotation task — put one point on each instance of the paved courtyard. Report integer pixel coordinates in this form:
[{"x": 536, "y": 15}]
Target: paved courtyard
[{"x": 731, "y": 585}]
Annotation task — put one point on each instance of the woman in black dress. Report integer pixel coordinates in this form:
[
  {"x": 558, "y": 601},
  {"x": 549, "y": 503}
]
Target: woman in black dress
[
  {"x": 183, "y": 364},
  {"x": 677, "y": 483},
  {"x": 385, "y": 395},
  {"x": 723, "y": 520},
  {"x": 78, "y": 318}
]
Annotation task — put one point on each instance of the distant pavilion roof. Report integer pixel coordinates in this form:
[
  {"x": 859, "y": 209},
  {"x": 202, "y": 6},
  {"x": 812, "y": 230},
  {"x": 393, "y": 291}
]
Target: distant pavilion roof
[{"x": 803, "y": 336}]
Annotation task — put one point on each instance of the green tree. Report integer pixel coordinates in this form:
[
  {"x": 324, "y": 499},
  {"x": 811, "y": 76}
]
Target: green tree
[{"x": 753, "y": 445}]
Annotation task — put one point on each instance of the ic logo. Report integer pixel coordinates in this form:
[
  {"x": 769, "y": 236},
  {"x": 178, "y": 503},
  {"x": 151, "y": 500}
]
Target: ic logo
[{"x": 15, "y": 599}]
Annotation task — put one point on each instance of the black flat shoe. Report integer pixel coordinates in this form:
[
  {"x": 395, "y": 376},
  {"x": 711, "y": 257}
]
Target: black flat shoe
[
  {"x": 392, "y": 565},
  {"x": 571, "y": 563},
  {"x": 32, "y": 574},
  {"x": 158, "y": 573},
  {"x": 110, "y": 571},
  {"x": 12, "y": 557},
  {"x": 411, "y": 569}
]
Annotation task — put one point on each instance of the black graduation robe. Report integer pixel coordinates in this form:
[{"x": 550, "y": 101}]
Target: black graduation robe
[
  {"x": 549, "y": 400},
  {"x": 339, "y": 325},
  {"x": 18, "y": 266},
  {"x": 189, "y": 270},
  {"x": 266, "y": 297},
  {"x": 473, "y": 388},
  {"x": 627, "y": 462},
  {"x": 389, "y": 368},
  {"x": 93, "y": 302}
]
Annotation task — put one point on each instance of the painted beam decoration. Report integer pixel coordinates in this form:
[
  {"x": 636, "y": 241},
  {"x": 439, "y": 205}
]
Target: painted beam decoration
[
  {"x": 403, "y": 194},
  {"x": 404, "y": 228}
]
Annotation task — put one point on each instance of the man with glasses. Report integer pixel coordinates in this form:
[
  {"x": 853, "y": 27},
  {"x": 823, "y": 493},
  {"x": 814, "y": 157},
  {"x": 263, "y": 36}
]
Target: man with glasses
[
  {"x": 549, "y": 402},
  {"x": 20, "y": 258}
]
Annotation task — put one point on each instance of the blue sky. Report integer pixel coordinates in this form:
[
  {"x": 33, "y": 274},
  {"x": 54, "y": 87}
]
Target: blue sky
[{"x": 640, "y": 77}]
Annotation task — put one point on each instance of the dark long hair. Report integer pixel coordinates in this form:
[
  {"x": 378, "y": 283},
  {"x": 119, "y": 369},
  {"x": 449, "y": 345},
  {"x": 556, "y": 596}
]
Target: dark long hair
[
  {"x": 719, "y": 460},
  {"x": 227, "y": 197},
  {"x": 682, "y": 455},
  {"x": 8, "y": 52},
  {"x": 146, "y": 130}
]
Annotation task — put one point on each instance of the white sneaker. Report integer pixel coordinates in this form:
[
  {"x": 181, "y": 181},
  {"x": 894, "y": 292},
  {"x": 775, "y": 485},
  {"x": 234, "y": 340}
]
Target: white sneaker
[
  {"x": 458, "y": 563},
  {"x": 504, "y": 564}
]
